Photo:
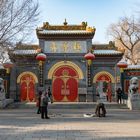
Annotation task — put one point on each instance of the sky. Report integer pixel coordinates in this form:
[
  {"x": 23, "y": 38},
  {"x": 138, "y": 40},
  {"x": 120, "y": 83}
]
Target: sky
[{"x": 97, "y": 13}]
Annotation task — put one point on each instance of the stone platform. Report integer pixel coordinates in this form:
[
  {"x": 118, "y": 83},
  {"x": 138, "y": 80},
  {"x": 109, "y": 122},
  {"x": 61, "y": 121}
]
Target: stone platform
[
  {"x": 69, "y": 124},
  {"x": 69, "y": 105}
]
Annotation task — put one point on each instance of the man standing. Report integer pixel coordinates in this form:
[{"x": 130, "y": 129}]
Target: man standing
[
  {"x": 119, "y": 95},
  {"x": 44, "y": 106}
]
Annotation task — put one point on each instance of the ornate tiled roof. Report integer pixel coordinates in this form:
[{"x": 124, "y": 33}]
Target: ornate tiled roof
[
  {"x": 64, "y": 32},
  {"x": 106, "y": 49},
  {"x": 25, "y": 52},
  {"x": 21, "y": 46},
  {"x": 110, "y": 46},
  {"x": 25, "y": 49},
  {"x": 65, "y": 26},
  {"x": 81, "y": 29},
  {"x": 107, "y": 52},
  {"x": 133, "y": 67}
]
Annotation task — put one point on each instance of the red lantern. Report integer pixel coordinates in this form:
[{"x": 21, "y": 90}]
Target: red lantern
[
  {"x": 7, "y": 66},
  {"x": 89, "y": 57},
  {"x": 122, "y": 65},
  {"x": 41, "y": 57}
]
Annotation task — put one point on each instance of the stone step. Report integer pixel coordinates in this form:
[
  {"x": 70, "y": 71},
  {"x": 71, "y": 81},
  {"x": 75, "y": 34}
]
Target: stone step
[
  {"x": 69, "y": 105},
  {"x": 84, "y": 105}
]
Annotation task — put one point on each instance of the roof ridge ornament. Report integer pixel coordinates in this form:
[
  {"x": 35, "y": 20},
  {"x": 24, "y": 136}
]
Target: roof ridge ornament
[
  {"x": 65, "y": 26},
  {"x": 90, "y": 29},
  {"x": 65, "y": 22}
]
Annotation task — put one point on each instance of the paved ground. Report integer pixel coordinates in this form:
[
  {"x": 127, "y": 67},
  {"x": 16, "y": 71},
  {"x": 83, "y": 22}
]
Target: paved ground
[{"x": 69, "y": 124}]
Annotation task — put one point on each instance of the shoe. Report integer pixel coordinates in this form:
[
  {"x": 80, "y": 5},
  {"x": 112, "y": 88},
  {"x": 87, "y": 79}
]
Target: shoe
[
  {"x": 42, "y": 118},
  {"x": 47, "y": 118}
]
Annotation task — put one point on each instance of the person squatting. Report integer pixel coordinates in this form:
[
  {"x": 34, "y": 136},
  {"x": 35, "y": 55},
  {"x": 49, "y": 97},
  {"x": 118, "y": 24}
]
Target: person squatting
[{"x": 100, "y": 110}]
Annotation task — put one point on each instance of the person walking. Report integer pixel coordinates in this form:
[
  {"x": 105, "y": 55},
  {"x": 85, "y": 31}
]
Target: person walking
[
  {"x": 38, "y": 102},
  {"x": 119, "y": 95},
  {"x": 44, "y": 106}
]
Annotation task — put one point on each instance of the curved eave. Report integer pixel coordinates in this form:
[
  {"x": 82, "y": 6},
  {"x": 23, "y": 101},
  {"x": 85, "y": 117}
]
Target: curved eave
[
  {"x": 26, "y": 52},
  {"x": 131, "y": 69},
  {"x": 119, "y": 54},
  {"x": 65, "y": 32},
  {"x": 23, "y": 55},
  {"x": 65, "y": 35}
]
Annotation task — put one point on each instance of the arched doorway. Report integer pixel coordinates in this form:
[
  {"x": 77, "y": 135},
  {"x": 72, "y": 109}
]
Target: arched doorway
[
  {"x": 27, "y": 82},
  {"x": 65, "y": 85},
  {"x": 105, "y": 79},
  {"x": 65, "y": 76}
]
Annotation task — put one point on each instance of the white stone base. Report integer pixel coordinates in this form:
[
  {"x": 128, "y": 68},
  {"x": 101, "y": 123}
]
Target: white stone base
[
  {"x": 5, "y": 102},
  {"x": 133, "y": 102}
]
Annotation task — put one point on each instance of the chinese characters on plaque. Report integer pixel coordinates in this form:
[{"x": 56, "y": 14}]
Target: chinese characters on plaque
[{"x": 65, "y": 46}]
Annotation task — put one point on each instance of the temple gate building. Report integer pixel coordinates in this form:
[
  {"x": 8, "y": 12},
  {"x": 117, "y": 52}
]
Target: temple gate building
[{"x": 65, "y": 69}]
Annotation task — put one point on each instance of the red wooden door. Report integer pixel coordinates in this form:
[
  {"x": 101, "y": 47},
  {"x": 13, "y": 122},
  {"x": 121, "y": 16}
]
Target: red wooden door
[
  {"x": 65, "y": 85},
  {"x": 23, "y": 91},
  {"x": 72, "y": 86},
  {"x": 27, "y": 88}
]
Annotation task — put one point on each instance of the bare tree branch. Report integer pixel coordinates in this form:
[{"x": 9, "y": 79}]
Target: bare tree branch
[
  {"x": 127, "y": 33},
  {"x": 17, "y": 19}
]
